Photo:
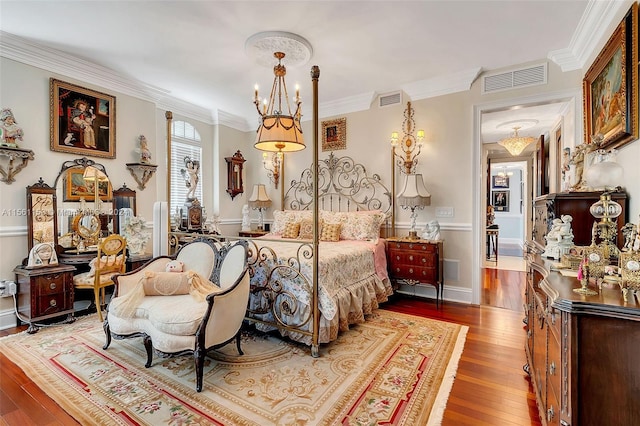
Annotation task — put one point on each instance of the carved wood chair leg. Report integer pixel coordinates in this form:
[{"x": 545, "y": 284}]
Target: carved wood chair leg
[
  {"x": 149, "y": 347},
  {"x": 96, "y": 292},
  {"x": 107, "y": 333},
  {"x": 199, "y": 360}
]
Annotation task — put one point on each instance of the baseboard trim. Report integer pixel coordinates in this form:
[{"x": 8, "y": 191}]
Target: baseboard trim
[
  {"x": 7, "y": 319},
  {"x": 451, "y": 293}
]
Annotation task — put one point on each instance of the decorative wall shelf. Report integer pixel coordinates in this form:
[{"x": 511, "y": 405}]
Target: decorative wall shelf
[
  {"x": 12, "y": 169},
  {"x": 141, "y": 172}
]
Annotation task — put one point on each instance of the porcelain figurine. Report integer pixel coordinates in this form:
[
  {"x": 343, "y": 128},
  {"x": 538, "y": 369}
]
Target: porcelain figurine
[{"x": 11, "y": 133}]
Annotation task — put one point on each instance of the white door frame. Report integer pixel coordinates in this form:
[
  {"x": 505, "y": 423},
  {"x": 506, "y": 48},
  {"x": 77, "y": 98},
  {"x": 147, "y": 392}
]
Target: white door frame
[{"x": 479, "y": 212}]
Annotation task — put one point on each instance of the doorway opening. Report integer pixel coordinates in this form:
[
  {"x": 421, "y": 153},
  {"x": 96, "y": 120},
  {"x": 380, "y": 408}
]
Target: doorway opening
[{"x": 550, "y": 111}]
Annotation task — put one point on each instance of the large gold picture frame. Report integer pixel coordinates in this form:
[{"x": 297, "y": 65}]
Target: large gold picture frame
[
  {"x": 83, "y": 121},
  {"x": 610, "y": 87}
]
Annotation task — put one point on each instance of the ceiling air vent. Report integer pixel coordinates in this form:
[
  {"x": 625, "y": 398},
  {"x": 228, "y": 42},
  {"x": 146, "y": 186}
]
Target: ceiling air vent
[
  {"x": 389, "y": 99},
  {"x": 523, "y": 77}
]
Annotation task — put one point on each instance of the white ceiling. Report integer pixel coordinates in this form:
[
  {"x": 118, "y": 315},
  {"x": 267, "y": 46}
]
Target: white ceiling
[{"x": 194, "y": 50}]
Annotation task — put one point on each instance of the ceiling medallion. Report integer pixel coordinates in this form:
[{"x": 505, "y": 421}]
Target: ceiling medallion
[
  {"x": 521, "y": 124},
  {"x": 261, "y": 46}
]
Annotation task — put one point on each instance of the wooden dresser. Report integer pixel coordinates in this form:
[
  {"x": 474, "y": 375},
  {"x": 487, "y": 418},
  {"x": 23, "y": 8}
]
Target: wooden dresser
[
  {"x": 416, "y": 262},
  {"x": 576, "y": 204},
  {"x": 582, "y": 352},
  {"x": 44, "y": 293}
]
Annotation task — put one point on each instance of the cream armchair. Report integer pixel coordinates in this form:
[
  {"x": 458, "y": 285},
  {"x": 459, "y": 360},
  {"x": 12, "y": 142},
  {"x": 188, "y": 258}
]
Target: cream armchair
[{"x": 178, "y": 324}]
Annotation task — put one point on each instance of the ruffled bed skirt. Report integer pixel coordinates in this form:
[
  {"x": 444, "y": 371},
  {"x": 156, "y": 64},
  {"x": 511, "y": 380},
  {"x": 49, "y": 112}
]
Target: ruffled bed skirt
[{"x": 353, "y": 302}]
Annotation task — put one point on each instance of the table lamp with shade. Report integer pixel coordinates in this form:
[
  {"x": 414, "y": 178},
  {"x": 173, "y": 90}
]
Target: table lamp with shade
[
  {"x": 414, "y": 195},
  {"x": 260, "y": 201}
]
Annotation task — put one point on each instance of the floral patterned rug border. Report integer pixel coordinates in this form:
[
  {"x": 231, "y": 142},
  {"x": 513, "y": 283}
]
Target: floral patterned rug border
[{"x": 394, "y": 369}]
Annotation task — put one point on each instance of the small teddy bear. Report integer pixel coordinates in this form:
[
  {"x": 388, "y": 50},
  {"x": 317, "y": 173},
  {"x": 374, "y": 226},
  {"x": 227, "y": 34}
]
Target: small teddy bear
[{"x": 174, "y": 266}]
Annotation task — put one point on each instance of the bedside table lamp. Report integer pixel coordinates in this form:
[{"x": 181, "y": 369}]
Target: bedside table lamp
[
  {"x": 260, "y": 201},
  {"x": 414, "y": 195}
]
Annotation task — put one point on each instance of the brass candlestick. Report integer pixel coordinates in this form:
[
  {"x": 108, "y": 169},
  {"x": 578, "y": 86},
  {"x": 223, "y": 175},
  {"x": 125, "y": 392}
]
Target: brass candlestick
[{"x": 583, "y": 276}]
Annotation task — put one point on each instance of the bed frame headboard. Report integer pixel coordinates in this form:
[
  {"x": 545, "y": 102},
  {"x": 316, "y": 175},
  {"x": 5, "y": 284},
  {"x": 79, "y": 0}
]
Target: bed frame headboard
[{"x": 343, "y": 185}]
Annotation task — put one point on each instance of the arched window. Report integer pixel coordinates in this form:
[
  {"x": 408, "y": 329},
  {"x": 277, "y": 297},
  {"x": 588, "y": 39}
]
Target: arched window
[{"x": 185, "y": 142}]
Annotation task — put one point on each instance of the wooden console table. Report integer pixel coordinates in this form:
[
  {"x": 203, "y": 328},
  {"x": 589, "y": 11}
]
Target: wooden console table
[{"x": 582, "y": 351}]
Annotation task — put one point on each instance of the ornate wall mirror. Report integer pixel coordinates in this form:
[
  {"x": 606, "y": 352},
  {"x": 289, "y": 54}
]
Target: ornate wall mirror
[
  {"x": 123, "y": 199},
  {"x": 77, "y": 185},
  {"x": 42, "y": 221},
  {"x": 234, "y": 174}
]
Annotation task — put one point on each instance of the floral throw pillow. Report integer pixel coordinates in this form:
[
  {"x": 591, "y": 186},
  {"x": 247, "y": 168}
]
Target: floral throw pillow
[{"x": 306, "y": 229}]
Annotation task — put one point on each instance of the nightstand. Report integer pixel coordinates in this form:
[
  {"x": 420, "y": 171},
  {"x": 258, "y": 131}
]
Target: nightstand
[
  {"x": 414, "y": 262},
  {"x": 252, "y": 234},
  {"x": 44, "y": 293}
]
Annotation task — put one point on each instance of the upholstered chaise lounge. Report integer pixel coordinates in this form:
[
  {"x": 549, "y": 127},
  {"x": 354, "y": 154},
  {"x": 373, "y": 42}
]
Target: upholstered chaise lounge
[{"x": 175, "y": 320}]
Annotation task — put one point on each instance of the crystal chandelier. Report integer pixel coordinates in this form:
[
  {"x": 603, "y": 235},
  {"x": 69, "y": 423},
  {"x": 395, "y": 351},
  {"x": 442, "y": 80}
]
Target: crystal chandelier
[
  {"x": 279, "y": 130},
  {"x": 516, "y": 144}
]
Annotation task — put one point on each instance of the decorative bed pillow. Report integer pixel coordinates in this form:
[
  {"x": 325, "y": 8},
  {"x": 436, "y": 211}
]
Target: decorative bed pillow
[
  {"x": 358, "y": 225},
  {"x": 282, "y": 217},
  {"x": 291, "y": 230},
  {"x": 330, "y": 232},
  {"x": 306, "y": 229},
  {"x": 166, "y": 283}
]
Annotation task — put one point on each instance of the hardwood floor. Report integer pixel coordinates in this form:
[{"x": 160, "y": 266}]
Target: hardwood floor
[{"x": 490, "y": 387}]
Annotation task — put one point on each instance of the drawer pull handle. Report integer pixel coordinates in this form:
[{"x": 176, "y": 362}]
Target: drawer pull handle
[
  {"x": 52, "y": 303},
  {"x": 550, "y": 413},
  {"x": 397, "y": 257},
  {"x": 411, "y": 257},
  {"x": 411, "y": 270},
  {"x": 424, "y": 260},
  {"x": 397, "y": 269},
  {"x": 52, "y": 286},
  {"x": 552, "y": 368}
]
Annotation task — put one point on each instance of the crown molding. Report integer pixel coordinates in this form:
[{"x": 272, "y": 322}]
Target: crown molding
[
  {"x": 185, "y": 109},
  {"x": 441, "y": 85},
  {"x": 593, "y": 27},
  {"x": 234, "y": 121},
  {"x": 361, "y": 102},
  {"x": 58, "y": 62}
]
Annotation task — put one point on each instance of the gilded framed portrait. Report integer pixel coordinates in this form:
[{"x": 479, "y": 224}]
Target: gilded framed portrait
[
  {"x": 334, "y": 134},
  {"x": 82, "y": 121},
  {"x": 610, "y": 87}
]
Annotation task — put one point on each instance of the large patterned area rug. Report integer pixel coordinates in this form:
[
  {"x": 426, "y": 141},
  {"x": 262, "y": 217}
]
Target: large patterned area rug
[{"x": 394, "y": 369}]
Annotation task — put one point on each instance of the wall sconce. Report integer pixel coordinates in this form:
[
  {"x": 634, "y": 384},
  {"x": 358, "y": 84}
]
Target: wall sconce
[
  {"x": 273, "y": 165},
  {"x": 410, "y": 145},
  {"x": 260, "y": 201}
]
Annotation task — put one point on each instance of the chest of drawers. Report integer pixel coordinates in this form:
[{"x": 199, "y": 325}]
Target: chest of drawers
[
  {"x": 44, "y": 293},
  {"x": 414, "y": 262}
]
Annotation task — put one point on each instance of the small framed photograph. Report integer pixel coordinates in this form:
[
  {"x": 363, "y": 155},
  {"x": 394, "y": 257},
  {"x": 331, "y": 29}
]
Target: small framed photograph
[
  {"x": 75, "y": 187},
  {"x": 83, "y": 121},
  {"x": 334, "y": 134},
  {"x": 500, "y": 181},
  {"x": 500, "y": 201}
]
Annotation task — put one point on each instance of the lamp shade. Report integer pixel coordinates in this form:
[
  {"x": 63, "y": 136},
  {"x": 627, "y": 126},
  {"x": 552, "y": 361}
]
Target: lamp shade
[
  {"x": 414, "y": 193},
  {"x": 259, "y": 198},
  {"x": 279, "y": 133}
]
